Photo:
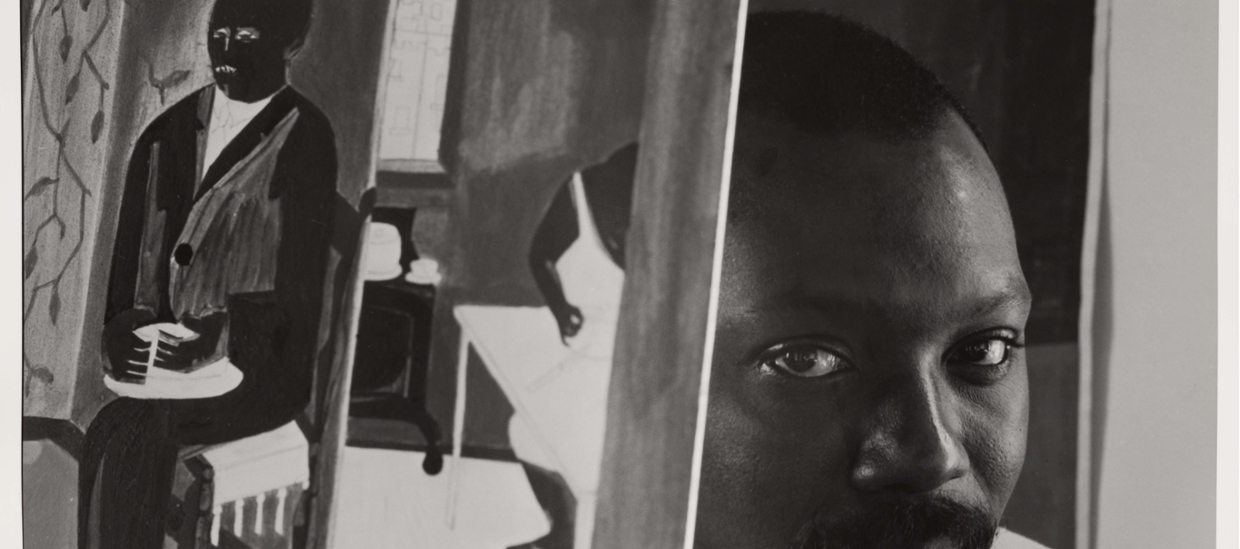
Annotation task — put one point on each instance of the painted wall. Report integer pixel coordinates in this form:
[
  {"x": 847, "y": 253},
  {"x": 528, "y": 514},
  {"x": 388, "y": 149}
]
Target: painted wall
[
  {"x": 69, "y": 90},
  {"x": 1157, "y": 309}
]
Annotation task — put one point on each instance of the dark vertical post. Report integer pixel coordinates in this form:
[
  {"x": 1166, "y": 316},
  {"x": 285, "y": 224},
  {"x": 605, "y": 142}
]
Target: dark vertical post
[{"x": 653, "y": 403}]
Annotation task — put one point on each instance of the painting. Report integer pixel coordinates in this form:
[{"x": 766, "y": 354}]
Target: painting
[
  {"x": 493, "y": 433},
  {"x": 218, "y": 264},
  {"x": 602, "y": 274},
  {"x": 182, "y": 282},
  {"x": 309, "y": 274}
]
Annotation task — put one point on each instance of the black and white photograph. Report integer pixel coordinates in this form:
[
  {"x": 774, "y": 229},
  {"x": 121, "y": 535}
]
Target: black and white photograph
[{"x": 612, "y": 274}]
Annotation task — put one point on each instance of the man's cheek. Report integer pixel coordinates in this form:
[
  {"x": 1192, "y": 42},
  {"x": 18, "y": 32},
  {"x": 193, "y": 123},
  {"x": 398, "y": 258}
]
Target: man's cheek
[
  {"x": 996, "y": 436},
  {"x": 774, "y": 464},
  {"x": 757, "y": 490}
]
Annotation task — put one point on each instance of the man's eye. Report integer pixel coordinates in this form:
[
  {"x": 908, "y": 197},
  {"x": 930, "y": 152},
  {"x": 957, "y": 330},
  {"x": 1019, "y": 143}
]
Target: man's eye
[
  {"x": 220, "y": 34},
  {"x": 247, "y": 35},
  {"x": 805, "y": 361},
  {"x": 989, "y": 352}
]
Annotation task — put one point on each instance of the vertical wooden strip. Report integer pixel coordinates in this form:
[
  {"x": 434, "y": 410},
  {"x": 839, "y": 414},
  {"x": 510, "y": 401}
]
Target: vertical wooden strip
[
  {"x": 335, "y": 411},
  {"x": 716, "y": 269},
  {"x": 334, "y": 429},
  {"x": 652, "y": 408},
  {"x": 1086, "y": 484}
]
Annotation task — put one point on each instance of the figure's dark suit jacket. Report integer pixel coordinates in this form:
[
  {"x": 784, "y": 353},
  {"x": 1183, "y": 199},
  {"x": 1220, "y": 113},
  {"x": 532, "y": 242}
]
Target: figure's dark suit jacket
[
  {"x": 266, "y": 231},
  {"x": 272, "y": 333}
]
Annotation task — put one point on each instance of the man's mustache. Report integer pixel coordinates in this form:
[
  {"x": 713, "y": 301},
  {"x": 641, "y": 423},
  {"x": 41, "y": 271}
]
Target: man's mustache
[{"x": 903, "y": 524}]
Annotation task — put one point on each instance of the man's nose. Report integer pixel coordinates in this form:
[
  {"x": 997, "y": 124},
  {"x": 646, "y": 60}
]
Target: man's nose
[
  {"x": 912, "y": 441},
  {"x": 225, "y": 35}
]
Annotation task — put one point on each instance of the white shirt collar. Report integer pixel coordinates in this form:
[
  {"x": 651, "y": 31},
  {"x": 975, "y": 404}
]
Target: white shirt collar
[
  {"x": 228, "y": 118},
  {"x": 225, "y": 111}
]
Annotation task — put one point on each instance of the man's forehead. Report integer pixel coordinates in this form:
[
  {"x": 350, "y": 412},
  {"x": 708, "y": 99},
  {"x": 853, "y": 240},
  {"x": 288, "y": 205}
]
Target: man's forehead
[
  {"x": 865, "y": 202},
  {"x": 768, "y": 271},
  {"x": 874, "y": 220}
]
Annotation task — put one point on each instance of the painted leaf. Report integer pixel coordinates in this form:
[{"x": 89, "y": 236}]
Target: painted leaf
[
  {"x": 71, "y": 88},
  {"x": 39, "y": 373},
  {"x": 32, "y": 260},
  {"x": 174, "y": 78},
  {"x": 40, "y": 187},
  {"x": 96, "y": 127},
  {"x": 53, "y": 304},
  {"x": 42, "y": 374},
  {"x": 66, "y": 44}
]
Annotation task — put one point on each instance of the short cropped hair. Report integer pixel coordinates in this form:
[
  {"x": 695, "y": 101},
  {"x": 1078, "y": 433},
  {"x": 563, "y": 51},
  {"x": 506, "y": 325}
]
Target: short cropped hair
[
  {"x": 826, "y": 76},
  {"x": 288, "y": 21}
]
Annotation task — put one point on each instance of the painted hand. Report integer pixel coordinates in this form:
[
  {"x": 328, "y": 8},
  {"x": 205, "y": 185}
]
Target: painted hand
[
  {"x": 123, "y": 349},
  {"x": 182, "y": 355},
  {"x": 569, "y": 319}
]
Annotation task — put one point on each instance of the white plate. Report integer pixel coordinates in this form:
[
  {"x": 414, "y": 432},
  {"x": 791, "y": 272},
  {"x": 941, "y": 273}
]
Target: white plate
[
  {"x": 151, "y": 332},
  {"x": 212, "y": 380},
  {"x": 424, "y": 271}
]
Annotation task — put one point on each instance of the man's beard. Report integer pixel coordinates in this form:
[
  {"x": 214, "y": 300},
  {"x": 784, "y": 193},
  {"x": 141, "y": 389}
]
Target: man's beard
[{"x": 910, "y": 524}]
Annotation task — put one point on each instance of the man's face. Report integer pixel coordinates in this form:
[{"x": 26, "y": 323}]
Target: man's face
[
  {"x": 868, "y": 386},
  {"x": 247, "y": 49}
]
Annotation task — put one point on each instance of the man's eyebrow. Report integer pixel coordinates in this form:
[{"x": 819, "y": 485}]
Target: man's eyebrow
[{"x": 1013, "y": 293}]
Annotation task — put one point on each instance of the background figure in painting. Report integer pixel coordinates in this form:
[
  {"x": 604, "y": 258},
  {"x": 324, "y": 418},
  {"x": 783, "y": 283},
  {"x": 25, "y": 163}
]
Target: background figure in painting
[
  {"x": 224, "y": 228},
  {"x": 577, "y": 257},
  {"x": 608, "y": 190}
]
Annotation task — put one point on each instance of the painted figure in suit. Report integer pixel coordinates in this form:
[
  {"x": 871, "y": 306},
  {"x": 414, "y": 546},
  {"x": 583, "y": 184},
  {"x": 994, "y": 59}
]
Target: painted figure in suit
[{"x": 224, "y": 228}]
